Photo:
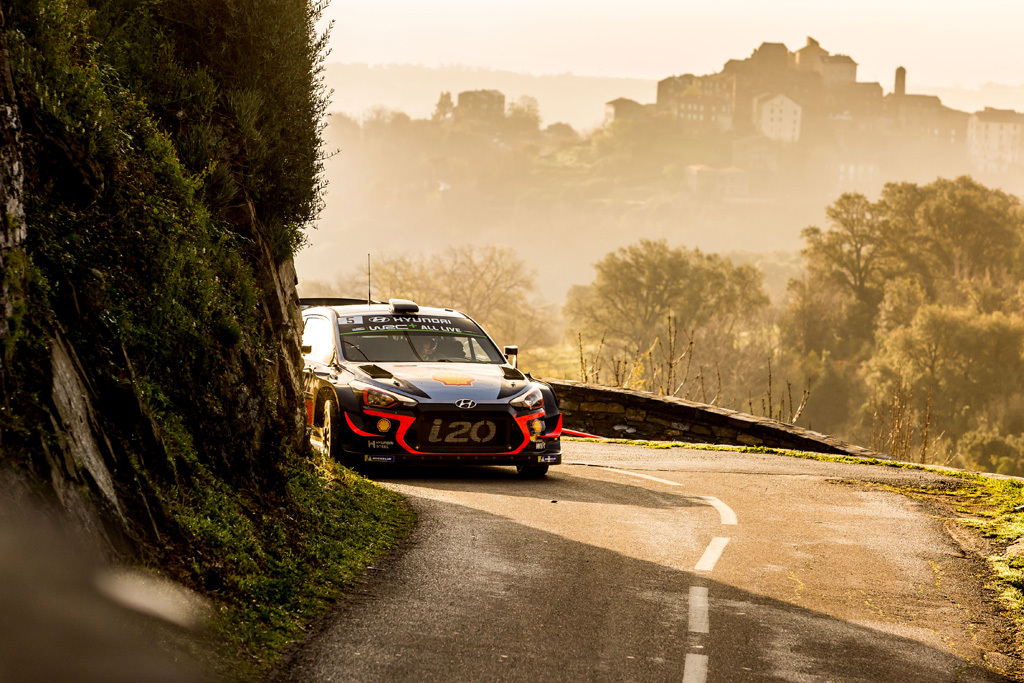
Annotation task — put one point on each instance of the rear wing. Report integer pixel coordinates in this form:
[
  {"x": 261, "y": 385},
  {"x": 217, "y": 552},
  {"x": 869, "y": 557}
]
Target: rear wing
[{"x": 309, "y": 302}]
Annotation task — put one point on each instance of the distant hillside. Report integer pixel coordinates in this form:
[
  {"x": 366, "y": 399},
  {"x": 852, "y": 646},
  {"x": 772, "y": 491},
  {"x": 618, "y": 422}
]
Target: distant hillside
[
  {"x": 975, "y": 99},
  {"x": 576, "y": 100}
]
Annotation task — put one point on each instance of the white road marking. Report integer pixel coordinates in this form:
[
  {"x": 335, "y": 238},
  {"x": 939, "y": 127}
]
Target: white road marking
[
  {"x": 695, "y": 670},
  {"x": 699, "y": 622},
  {"x": 711, "y": 555},
  {"x": 728, "y": 516},
  {"x": 643, "y": 476}
]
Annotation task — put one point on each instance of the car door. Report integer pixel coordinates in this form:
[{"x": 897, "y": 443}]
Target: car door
[{"x": 318, "y": 338}]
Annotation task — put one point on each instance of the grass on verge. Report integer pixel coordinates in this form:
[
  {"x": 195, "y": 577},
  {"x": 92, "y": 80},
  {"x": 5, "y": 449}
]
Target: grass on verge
[
  {"x": 993, "y": 505},
  {"x": 271, "y": 567}
]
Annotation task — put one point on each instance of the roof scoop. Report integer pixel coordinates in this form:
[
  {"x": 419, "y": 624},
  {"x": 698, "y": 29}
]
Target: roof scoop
[
  {"x": 376, "y": 371},
  {"x": 403, "y": 306},
  {"x": 511, "y": 373}
]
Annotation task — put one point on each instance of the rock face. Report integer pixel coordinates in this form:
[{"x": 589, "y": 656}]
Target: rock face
[
  {"x": 116, "y": 390},
  {"x": 12, "y": 209},
  {"x": 80, "y": 470},
  {"x": 626, "y": 414}
]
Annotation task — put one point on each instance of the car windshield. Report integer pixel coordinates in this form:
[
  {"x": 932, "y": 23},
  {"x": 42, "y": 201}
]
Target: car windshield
[{"x": 410, "y": 339}]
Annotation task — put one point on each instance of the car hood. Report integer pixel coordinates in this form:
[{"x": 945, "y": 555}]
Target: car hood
[{"x": 449, "y": 382}]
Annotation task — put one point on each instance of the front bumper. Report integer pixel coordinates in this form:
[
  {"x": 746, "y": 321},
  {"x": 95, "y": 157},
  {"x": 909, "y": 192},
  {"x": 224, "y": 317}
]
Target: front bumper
[{"x": 394, "y": 436}]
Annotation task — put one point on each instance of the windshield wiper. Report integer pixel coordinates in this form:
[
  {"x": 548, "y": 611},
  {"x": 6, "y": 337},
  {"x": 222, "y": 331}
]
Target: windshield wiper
[{"x": 361, "y": 352}]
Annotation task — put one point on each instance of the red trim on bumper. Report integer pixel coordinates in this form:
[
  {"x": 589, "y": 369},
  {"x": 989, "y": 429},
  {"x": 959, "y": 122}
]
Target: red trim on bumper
[
  {"x": 358, "y": 431},
  {"x": 406, "y": 421},
  {"x": 557, "y": 431}
]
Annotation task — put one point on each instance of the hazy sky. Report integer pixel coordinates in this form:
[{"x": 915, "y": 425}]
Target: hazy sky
[{"x": 940, "y": 42}]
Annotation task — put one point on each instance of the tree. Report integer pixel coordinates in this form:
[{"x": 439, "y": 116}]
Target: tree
[
  {"x": 523, "y": 115},
  {"x": 444, "y": 109},
  {"x": 491, "y": 284},
  {"x": 675, "y": 321},
  {"x": 639, "y": 286},
  {"x": 963, "y": 359},
  {"x": 813, "y": 319},
  {"x": 850, "y": 251},
  {"x": 952, "y": 231}
]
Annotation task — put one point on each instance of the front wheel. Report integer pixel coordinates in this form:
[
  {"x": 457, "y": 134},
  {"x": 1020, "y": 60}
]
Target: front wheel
[
  {"x": 331, "y": 433},
  {"x": 531, "y": 471}
]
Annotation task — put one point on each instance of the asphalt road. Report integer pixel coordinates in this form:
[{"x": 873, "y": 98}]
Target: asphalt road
[{"x": 632, "y": 564}]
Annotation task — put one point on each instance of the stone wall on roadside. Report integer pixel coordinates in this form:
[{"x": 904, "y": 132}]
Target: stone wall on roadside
[{"x": 627, "y": 414}]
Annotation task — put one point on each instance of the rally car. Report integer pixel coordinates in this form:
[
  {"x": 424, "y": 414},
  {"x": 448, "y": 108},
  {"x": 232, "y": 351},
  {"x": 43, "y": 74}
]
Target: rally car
[{"x": 402, "y": 384}]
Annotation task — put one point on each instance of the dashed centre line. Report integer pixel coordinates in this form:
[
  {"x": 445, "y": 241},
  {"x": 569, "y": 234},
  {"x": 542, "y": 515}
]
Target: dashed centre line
[
  {"x": 710, "y": 557},
  {"x": 699, "y": 622},
  {"x": 695, "y": 669},
  {"x": 695, "y": 666}
]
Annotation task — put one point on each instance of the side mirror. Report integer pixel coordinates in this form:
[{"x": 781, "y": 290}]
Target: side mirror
[
  {"x": 306, "y": 349},
  {"x": 512, "y": 354}
]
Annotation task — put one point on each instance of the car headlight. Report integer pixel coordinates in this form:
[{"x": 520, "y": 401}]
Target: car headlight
[
  {"x": 531, "y": 400},
  {"x": 374, "y": 397}
]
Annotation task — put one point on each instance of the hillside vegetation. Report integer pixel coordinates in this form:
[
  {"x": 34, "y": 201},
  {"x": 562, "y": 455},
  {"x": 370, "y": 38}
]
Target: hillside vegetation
[{"x": 159, "y": 164}]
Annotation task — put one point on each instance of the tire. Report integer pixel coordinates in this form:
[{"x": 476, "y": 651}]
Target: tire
[
  {"x": 531, "y": 471},
  {"x": 331, "y": 436}
]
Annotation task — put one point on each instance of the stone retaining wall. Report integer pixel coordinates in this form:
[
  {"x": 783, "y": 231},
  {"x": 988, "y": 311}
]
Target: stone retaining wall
[{"x": 628, "y": 414}]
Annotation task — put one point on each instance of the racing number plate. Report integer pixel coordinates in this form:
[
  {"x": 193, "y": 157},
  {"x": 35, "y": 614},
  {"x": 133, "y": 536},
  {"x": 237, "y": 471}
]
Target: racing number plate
[{"x": 479, "y": 433}]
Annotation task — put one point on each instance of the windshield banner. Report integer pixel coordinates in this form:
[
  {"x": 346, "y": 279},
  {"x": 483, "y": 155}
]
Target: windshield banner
[{"x": 362, "y": 324}]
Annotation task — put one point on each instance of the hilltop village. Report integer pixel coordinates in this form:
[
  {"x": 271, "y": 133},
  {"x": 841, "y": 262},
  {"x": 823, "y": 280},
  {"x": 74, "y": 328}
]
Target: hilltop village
[{"x": 781, "y": 122}]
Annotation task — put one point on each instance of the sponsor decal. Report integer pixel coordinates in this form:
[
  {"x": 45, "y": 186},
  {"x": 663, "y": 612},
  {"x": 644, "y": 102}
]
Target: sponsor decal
[
  {"x": 422, "y": 320},
  {"x": 369, "y": 457},
  {"x": 384, "y": 425},
  {"x": 401, "y": 327},
  {"x": 361, "y": 324},
  {"x": 463, "y": 432},
  {"x": 379, "y": 444},
  {"x": 536, "y": 428},
  {"x": 547, "y": 458},
  {"x": 453, "y": 379},
  {"x": 540, "y": 445}
]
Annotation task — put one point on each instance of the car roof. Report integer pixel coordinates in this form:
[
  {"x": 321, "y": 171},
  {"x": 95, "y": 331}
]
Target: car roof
[{"x": 349, "y": 307}]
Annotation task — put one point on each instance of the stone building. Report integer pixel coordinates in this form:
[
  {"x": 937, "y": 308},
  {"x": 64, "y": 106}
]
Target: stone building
[
  {"x": 480, "y": 105},
  {"x": 995, "y": 140},
  {"x": 808, "y": 58},
  {"x": 777, "y": 117},
  {"x": 623, "y": 109},
  {"x": 837, "y": 70},
  {"x": 701, "y": 104}
]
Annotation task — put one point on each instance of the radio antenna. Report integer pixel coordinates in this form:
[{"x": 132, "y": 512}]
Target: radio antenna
[{"x": 368, "y": 291}]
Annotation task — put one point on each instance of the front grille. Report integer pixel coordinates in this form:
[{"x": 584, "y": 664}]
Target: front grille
[{"x": 466, "y": 432}]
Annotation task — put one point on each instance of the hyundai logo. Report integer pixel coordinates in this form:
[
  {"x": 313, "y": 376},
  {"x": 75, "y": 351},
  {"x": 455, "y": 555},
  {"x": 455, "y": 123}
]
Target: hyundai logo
[{"x": 465, "y": 403}]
